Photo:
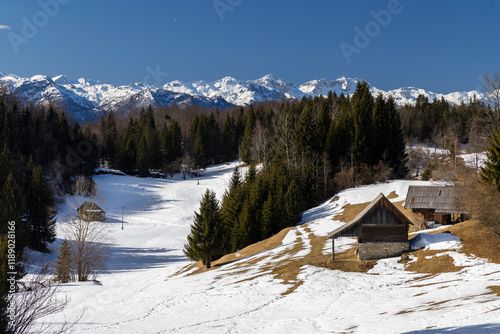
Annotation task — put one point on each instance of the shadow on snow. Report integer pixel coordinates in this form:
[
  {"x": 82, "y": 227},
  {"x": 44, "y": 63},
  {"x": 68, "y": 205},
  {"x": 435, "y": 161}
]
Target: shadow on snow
[{"x": 484, "y": 328}]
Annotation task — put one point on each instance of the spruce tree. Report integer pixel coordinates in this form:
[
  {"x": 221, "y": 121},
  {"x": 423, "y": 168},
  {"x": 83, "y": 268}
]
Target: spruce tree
[
  {"x": 293, "y": 206},
  {"x": 63, "y": 264},
  {"x": 364, "y": 142},
  {"x": 268, "y": 220},
  {"x": 12, "y": 209},
  {"x": 205, "y": 239},
  {"x": 490, "y": 172},
  {"x": 176, "y": 149},
  {"x": 232, "y": 203},
  {"x": 397, "y": 145},
  {"x": 143, "y": 160},
  {"x": 247, "y": 137},
  {"x": 240, "y": 236},
  {"x": 11, "y": 206},
  {"x": 380, "y": 128},
  {"x": 305, "y": 134},
  {"x": 39, "y": 208},
  {"x": 229, "y": 140}
]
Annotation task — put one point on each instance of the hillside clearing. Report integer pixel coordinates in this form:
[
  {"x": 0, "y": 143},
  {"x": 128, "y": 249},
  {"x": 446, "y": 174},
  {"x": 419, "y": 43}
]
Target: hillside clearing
[{"x": 285, "y": 284}]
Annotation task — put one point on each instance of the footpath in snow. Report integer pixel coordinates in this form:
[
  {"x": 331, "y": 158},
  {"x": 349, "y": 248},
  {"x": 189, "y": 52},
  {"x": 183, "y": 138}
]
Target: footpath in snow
[{"x": 141, "y": 292}]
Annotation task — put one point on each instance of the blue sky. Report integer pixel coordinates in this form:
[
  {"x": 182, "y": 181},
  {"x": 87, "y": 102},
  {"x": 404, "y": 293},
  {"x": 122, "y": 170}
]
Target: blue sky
[{"x": 442, "y": 46}]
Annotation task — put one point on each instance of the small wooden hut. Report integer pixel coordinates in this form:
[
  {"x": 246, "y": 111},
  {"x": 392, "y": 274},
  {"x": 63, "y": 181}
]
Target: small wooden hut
[
  {"x": 90, "y": 211},
  {"x": 381, "y": 229},
  {"x": 433, "y": 203}
]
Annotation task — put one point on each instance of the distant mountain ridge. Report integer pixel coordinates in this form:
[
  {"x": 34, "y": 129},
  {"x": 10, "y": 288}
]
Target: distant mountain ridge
[{"x": 86, "y": 100}]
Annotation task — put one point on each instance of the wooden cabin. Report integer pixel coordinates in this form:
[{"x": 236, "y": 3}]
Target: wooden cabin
[
  {"x": 434, "y": 203},
  {"x": 90, "y": 211},
  {"x": 381, "y": 229}
]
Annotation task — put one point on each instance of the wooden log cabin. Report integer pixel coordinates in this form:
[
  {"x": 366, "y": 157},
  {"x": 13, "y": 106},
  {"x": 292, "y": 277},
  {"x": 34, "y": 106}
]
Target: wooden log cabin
[
  {"x": 381, "y": 229},
  {"x": 434, "y": 203},
  {"x": 90, "y": 211}
]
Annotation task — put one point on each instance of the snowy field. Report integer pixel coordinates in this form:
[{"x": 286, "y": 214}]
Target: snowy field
[{"x": 143, "y": 292}]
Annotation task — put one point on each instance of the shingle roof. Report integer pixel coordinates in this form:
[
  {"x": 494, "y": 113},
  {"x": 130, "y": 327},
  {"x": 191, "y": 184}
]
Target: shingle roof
[{"x": 439, "y": 198}]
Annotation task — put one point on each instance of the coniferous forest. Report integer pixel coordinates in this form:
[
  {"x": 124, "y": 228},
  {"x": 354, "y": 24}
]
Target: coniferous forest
[{"x": 300, "y": 153}]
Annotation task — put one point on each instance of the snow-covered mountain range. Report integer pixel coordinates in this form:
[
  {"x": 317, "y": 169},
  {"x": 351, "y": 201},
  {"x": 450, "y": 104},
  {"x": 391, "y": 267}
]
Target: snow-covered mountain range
[{"x": 86, "y": 100}]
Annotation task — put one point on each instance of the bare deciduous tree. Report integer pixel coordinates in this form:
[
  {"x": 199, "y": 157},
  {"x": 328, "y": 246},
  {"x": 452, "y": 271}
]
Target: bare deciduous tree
[
  {"x": 88, "y": 240},
  {"x": 35, "y": 301},
  {"x": 491, "y": 87},
  {"x": 260, "y": 143}
]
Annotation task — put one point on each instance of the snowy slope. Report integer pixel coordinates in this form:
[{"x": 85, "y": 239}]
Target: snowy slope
[
  {"x": 86, "y": 99},
  {"x": 141, "y": 293}
]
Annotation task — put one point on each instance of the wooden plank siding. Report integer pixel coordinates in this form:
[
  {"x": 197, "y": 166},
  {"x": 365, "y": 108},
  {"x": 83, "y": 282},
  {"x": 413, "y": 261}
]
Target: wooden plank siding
[
  {"x": 384, "y": 233},
  {"x": 381, "y": 229}
]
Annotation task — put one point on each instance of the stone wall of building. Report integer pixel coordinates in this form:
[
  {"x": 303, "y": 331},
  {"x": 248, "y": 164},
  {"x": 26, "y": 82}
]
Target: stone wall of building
[{"x": 380, "y": 250}]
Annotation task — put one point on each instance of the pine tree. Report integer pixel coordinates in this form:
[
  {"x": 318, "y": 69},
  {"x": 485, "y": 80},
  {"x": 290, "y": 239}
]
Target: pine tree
[
  {"x": 490, "y": 172},
  {"x": 247, "y": 136},
  {"x": 364, "y": 141},
  {"x": 240, "y": 236},
  {"x": 305, "y": 134},
  {"x": 40, "y": 208},
  {"x": 380, "y": 128},
  {"x": 143, "y": 160},
  {"x": 109, "y": 134},
  {"x": 231, "y": 207},
  {"x": 397, "y": 146},
  {"x": 268, "y": 220},
  {"x": 293, "y": 206},
  {"x": 6, "y": 164},
  {"x": 12, "y": 209},
  {"x": 205, "y": 239},
  {"x": 229, "y": 140},
  {"x": 176, "y": 150},
  {"x": 63, "y": 264},
  {"x": 339, "y": 143}
]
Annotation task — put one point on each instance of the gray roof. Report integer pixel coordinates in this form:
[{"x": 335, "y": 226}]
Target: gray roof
[
  {"x": 439, "y": 198},
  {"x": 352, "y": 224}
]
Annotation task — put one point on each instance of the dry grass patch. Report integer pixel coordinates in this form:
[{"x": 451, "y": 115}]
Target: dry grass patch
[
  {"x": 478, "y": 239},
  {"x": 494, "y": 290},
  {"x": 270, "y": 243},
  {"x": 433, "y": 265}
]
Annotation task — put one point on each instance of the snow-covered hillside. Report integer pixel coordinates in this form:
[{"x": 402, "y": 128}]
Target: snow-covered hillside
[
  {"x": 86, "y": 99},
  {"x": 146, "y": 289}
]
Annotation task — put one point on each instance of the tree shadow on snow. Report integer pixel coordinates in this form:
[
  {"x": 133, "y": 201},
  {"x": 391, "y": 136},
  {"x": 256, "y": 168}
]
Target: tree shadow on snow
[
  {"x": 129, "y": 258},
  {"x": 484, "y": 328}
]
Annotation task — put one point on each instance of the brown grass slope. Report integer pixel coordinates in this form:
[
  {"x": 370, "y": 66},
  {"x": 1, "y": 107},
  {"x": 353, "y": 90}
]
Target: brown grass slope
[{"x": 476, "y": 239}]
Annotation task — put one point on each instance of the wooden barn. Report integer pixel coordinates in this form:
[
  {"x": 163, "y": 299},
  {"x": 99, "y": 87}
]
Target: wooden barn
[
  {"x": 381, "y": 229},
  {"x": 89, "y": 211},
  {"x": 434, "y": 203}
]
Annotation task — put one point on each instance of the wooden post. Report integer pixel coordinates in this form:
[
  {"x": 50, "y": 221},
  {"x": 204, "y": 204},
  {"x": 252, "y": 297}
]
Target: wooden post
[{"x": 333, "y": 249}]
